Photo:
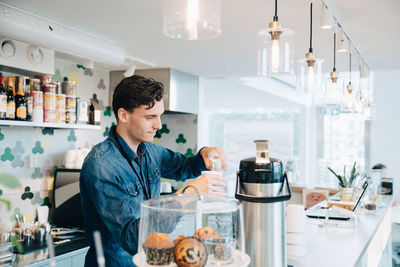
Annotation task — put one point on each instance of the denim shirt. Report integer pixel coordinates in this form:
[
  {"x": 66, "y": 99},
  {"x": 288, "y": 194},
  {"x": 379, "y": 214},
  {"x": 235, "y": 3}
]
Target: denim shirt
[{"x": 112, "y": 194}]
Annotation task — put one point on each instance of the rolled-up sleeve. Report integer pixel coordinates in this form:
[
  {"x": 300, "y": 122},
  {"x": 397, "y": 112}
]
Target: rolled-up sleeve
[{"x": 177, "y": 166}]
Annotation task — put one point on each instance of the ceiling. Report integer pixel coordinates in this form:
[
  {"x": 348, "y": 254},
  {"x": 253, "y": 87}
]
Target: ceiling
[{"x": 373, "y": 26}]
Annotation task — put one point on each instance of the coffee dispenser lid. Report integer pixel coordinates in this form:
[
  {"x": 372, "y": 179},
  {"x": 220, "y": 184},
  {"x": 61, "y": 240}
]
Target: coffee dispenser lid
[{"x": 252, "y": 172}]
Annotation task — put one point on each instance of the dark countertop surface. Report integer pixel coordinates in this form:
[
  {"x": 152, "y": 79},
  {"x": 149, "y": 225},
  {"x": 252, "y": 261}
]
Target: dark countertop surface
[{"x": 43, "y": 254}]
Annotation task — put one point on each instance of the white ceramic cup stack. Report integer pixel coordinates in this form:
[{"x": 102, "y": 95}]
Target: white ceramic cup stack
[{"x": 295, "y": 231}]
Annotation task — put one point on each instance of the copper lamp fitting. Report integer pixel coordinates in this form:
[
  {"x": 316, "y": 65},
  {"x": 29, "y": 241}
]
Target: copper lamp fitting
[{"x": 310, "y": 59}]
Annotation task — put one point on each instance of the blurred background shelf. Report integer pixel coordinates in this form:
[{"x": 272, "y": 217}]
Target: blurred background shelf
[{"x": 49, "y": 125}]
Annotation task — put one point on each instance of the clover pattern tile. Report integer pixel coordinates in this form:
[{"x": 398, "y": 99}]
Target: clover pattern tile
[
  {"x": 180, "y": 139},
  {"x": 48, "y": 131},
  {"x": 27, "y": 193},
  {"x": 88, "y": 72},
  {"x": 36, "y": 200},
  {"x": 101, "y": 85},
  {"x": 189, "y": 152},
  {"x": 1, "y": 136},
  {"x": 46, "y": 202},
  {"x": 18, "y": 149},
  {"x": 37, "y": 174},
  {"x": 106, "y": 132},
  {"x": 195, "y": 120},
  {"x": 37, "y": 149},
  {"x": 1, "y": 192},
  {"x": 101, "y": 104},
  {"x": 107, "y": 112},
  {"x": 57, "y": 76},
  {"x": 46, "y": 168},
  {"x": 47, "y": 142},
  {"x": 18, "y": 162},
  {"x": 80, "y": 67},
  {"x": 71, "y": 137},
  {"x": 7, "y": 155}
]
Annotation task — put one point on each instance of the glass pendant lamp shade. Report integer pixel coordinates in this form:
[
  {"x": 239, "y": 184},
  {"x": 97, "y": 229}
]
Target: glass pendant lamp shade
[
  {"x": 309, "y": 74},
  {"x": 192, "y": 19},
  {"x": 275, "y": 49},
  {"x": 309, "y": 71}
]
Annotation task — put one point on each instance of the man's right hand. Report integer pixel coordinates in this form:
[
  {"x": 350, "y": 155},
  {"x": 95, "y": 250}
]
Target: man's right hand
[{"x": 208, "y": 184}]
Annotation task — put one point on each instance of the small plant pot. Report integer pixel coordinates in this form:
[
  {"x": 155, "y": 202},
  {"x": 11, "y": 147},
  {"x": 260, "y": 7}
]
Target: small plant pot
[{"x": 346, "y": 194}]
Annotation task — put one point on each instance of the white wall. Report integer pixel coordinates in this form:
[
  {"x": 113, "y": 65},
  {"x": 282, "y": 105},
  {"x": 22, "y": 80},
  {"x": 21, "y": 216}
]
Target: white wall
[{"x": 385, "y": 130}]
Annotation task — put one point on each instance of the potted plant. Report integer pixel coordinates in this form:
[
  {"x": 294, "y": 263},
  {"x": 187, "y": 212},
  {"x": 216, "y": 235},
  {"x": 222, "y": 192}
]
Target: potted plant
[{"x": 346, "y": 183}]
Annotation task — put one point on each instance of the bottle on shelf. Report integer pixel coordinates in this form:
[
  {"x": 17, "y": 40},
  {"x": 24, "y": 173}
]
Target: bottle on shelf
[
  {"x": 29, "y": 100},
  {"x": 10, "y": 114},
  {"x": 20, "y": 100},
  {"x": 3, "y": 99}
]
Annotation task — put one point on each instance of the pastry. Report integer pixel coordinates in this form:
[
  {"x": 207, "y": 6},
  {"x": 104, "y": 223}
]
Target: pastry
[
  {"x": 190, "y": 252},
  {"x": 206, "y": 232},
  {"x": 159, "y": 249},
  {"x": 179, "y": 238}
]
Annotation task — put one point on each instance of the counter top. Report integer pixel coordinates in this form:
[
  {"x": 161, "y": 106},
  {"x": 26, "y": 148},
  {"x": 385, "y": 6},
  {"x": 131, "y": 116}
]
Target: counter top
[
  {"x": 42, "y": 255},
  {"x": 333, "y": 246}
]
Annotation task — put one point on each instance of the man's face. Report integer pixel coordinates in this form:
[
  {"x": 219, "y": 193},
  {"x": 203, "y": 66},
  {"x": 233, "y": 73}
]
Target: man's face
[{"x": 143, "y": 123}]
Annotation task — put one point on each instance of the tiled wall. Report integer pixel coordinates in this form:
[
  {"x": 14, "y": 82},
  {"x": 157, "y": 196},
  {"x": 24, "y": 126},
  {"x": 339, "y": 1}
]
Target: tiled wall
[{"x": 23, "y": 188}]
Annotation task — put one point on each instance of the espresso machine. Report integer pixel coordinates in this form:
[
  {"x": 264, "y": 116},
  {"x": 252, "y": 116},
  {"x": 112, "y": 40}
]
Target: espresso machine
[{"x": 262, "y": 187}]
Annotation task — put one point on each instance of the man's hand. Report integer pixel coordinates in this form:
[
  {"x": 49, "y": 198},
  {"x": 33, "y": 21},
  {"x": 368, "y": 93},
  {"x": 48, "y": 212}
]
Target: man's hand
[
  {"x": 209, "y": 184},
  {"x": 206, "y": 151}
]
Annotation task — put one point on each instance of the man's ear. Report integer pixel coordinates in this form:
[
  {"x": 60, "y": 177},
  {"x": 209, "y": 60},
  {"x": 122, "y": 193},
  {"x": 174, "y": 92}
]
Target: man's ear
[{"x": 122, "y": 115}]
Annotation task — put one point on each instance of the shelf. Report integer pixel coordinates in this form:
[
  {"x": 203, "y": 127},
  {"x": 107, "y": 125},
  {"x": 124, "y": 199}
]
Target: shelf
[{"x": 49, "y": 125}]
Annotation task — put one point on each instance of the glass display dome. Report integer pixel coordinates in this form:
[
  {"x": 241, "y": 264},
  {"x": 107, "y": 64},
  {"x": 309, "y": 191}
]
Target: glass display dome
[{"x": 191, "y": 230}]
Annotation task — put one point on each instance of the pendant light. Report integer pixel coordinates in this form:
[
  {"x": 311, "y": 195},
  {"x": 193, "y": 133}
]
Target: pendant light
[
  {"x": 342, "y": 45},
  {"x": 191, "y": 19},
  {"x": 326, "y": 19},
  {"x": 334, "y": 83},
  {"x": 309, "y": 70},
  {"x": 349, "y": 92},
  {"x": 275, "y": 49}
]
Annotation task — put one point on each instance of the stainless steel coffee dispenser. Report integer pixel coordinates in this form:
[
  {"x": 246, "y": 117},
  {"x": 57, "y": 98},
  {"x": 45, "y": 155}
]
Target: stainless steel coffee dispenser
[{"x": 262, "y": 187}]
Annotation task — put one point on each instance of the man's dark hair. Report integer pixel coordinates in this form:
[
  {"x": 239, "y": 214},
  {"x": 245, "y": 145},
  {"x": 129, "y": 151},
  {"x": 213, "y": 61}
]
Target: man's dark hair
[
  {"x": 135, "y": 91},
  {"x": 379, "y": 166}
]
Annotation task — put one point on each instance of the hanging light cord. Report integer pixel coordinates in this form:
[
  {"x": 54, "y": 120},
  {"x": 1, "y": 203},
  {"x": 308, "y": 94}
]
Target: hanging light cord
[
  {"x": 349, "y": 68},
  {"x": 334, "y": 51},
  {"x": 276, "y": 11},
  {"x": 311, "y": 49}
]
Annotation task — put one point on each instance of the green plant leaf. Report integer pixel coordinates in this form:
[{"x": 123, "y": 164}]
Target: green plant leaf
[
  {"x": 352, "y": 175},
  {"x": 341, "y": 182},
  {"x": 9, "y": 181},
  {"x": 6, "y": 202}
]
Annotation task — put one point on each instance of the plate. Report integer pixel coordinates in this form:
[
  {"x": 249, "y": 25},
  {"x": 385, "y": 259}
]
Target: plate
[{"x": 237, "y": 261}]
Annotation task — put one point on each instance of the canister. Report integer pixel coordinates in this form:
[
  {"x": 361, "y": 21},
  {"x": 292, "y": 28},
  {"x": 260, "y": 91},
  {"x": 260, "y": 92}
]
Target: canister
[
  {"x": 68, "y": 88},
  {"x": 37, "y": 114},
  {"x": 50, "y": 101},
  {"x": 60, "y": 116},
  {"x": 70, "y": 103},
  {"x": 60, "y": 102},
  {"x": 37, "y": 99},
  {"x": 49, "y": 88},
  {"x": 70, "y": 116},
  {"x": 49, "y": 115}
]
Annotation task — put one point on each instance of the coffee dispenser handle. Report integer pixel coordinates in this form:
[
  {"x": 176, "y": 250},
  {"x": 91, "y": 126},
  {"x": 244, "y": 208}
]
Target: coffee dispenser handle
[{"x": 249, "y": 198}]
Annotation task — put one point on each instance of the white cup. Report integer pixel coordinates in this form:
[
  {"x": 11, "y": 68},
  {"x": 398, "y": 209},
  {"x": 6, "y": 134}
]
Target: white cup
[
  {"x": 218, "y": 173},
  {"x": 70, "y": 155},
  {"x": 295, "y": 218},
  {"x": 166, "y": 187},
  {"x": 43, "y": 214}
]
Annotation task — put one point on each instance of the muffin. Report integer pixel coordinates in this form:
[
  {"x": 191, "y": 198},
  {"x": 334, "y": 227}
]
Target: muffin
[
  {"x": 206, "y": 232},
  {"x": 190, "y": 252},
  {"x": 179, "y": 238},
  {"x": 159, "y": 249}
]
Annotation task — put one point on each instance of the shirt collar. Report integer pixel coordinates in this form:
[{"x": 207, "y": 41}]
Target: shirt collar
[{"x": 129, "y": 152}]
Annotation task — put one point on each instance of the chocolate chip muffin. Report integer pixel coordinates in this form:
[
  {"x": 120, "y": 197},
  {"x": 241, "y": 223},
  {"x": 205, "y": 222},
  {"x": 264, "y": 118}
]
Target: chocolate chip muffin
[
  {"x": 179, "y": 238},
  {"x": 159, "y": 249},
  {"x": 190, "y": 252},
  {"x": 206, "y": 232}
]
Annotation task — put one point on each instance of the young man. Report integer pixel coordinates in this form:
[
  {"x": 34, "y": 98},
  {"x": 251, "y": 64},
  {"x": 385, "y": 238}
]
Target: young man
[{"x": 125, "y": 169}]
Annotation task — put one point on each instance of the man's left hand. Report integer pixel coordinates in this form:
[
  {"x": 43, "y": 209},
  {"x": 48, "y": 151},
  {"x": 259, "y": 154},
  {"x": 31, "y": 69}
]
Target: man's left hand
[{"x": 206, "y": 150}]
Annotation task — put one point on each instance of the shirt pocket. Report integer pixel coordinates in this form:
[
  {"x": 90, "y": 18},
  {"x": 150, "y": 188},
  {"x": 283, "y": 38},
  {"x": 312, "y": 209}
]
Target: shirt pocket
[
  {"x": 155, "y": 176},
  {"x": 133, "y": 190}
]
